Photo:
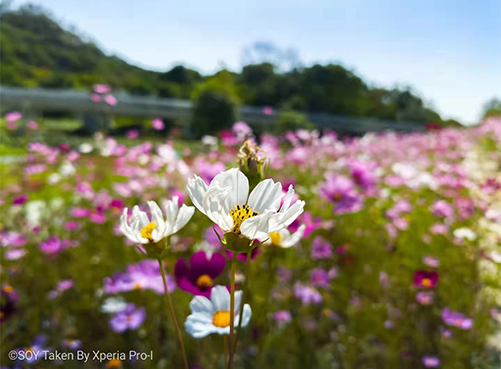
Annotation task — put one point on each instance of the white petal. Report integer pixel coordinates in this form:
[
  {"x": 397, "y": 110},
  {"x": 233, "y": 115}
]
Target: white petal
[
  {"x": 220, "y": 298},
  {"x": 238, "y": 300},
  {"x": 183, "y": 217},
  {"x": 282, "y": 220},
  {"x": 213, "y": 207},
  {"x": 202, "y": 305},
  {"x": 287, "y": 199},
  {"x": 196, "y": 190},
  {"x": 294, "y": 238},
  {"x": 238, "y": 184},
  {"x": 246, "y": 316},
  {"x": 125, "y": 227},
  {"x": 157, "y": 217},
  {"x": 266, "y": 196},
  {"x": 141, "y": 216},
  {"x": 293, "y": 212},
  {"x": 258, "y": 226},
  {"x": 197, "y": 326}
]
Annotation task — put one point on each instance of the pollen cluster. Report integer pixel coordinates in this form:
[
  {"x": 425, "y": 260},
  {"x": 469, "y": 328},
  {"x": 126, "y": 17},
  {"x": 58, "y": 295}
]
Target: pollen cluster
[
  {"x": 239, "y": 214},
  {"x": 275, "y": 238},
  {"x": 204, "y": 282},
  {"x": 221, "y": 319},
  {"x": 147, "y": 231}
]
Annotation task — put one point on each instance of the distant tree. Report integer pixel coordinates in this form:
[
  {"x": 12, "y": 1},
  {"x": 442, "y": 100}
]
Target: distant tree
[
  {"x": 215, "y": 103},
  {"x": 492, "y": 108},
  {"x": 180, "y": 74},
  {"x": 263, "y": 52}
]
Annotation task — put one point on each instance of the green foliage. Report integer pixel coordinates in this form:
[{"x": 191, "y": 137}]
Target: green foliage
[
  {"x": 290, "y": 120},
  {"x": 492, "y": 108},
  {"x": 215, "y": 102}
]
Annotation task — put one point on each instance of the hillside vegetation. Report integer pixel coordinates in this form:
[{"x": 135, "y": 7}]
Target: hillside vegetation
[{"x": 38, "y": 52}]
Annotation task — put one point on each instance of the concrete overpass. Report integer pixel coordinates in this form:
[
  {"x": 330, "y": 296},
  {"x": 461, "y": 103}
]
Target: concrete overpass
[{"x": 35, "y": 101}]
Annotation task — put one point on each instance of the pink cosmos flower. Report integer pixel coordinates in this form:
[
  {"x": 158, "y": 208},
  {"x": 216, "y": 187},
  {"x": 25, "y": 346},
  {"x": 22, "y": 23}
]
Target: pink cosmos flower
[
  {"x": 13, "y": 116},
  {"x": 132, "y": 134},
  {"x": 157, "y": 124},
  {"x": 321, "y": 249},
  {"x": 456, "y": 319},
  {"x": 102, "y": 89},
  {"x": 431, "y": 361},
  {"x": 442, "y": 208},
  {"x": 431, "y": 261},
  {"x": 110, "y": 100},
  {"x": 267, "y": 110},
  {"x": 32, "y": 125},
  {"x": 130, "y": 318},
  {"x": 425, "y": 298}
]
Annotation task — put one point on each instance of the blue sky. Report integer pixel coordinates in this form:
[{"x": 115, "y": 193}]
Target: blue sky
[{"x": 449, "y": 51}]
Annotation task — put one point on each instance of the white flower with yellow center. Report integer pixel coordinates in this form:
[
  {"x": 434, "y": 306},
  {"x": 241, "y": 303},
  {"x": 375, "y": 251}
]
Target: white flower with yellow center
[
  {"x": 226, "y": 201},
  {"x": 144, "y": 230},
  {"x": 213, "y": 316},
  {"x": 284, "y": 238}
]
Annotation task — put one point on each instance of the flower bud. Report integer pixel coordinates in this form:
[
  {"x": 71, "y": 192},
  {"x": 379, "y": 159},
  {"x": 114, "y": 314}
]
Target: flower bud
[{"x": 253, "y": 166}]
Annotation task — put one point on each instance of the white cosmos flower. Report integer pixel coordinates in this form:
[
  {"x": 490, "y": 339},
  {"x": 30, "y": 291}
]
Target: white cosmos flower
[
  {"x": 465, "y": 233},
  {"x": 226, "y": 201},
  {"x": 213, "y": 316},
  {"x": 284, "y": 238},
  {"x": 143, "y": 230}
]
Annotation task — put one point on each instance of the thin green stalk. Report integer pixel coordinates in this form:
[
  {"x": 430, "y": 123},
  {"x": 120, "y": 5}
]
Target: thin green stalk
[
  {"x": 232, "y": 309},
  {"x": 173, "y": 315},
  {"x": 244, "y": 294}
]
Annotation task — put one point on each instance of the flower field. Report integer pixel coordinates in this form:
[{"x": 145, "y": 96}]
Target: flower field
[{"x": 382, "y": 251}]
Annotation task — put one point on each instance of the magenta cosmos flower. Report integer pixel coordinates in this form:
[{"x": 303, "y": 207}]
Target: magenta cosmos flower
[
  {"x": 197, "y": 278},
  {"x": 423, "y": 278}
]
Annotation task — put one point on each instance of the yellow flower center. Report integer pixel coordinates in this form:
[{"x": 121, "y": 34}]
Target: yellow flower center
[
  {"x": 239, "y": 214},
  {"x": 137, "y": 286},
  {"x": 275, "y": 238},
  {"x": 8, "y": 289},
  {"x": 337, "y": 196},
  {"x": 221, "y": 319},
  {"x": 114, "y": 363},
  {"x": 204, "y": 282},
  {"x": 426, "y": 282},
  {"x": 147, "y": 231}
]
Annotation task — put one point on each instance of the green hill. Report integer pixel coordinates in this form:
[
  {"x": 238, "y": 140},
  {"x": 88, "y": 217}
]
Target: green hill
[{"x": 37, "y": 51}]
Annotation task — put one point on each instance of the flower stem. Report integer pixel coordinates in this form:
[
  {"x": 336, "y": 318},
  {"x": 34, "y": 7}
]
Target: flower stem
[
  {"x": 245, "y": 290},
  {"x": 232, "y": 309},
  {"x": 173, "y": 315},
  {"x": 225, "y": 349}
]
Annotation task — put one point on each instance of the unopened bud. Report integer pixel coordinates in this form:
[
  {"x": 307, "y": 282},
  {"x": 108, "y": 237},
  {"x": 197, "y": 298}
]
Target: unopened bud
[{"x": 250, "y": 162}]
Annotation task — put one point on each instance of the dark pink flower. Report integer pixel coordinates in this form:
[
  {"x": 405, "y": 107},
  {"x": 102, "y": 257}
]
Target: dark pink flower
[
  {"x": 20, "y": 200},
  {"x": 423, "y": 278},
  {"x": 197, "y": 277}
]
